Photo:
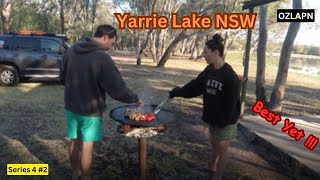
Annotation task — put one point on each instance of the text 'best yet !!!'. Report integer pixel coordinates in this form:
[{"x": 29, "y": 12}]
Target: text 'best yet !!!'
[
  {"x": 194, "y": 21},
  {"x": 288, "y": 126}
]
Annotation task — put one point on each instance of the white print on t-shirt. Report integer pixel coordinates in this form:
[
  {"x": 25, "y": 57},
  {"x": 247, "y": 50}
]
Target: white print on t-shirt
[
  {"x": 214, "y": 83},
  {"x": 213, "y": 86}
]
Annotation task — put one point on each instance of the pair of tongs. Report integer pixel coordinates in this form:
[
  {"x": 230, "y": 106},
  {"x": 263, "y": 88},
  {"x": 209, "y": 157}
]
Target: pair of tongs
[{"x": 157, "y": 110}]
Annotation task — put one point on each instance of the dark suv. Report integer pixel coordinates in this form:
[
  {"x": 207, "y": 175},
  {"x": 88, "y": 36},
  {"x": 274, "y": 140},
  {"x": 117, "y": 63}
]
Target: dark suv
[{"x": 30, "y": 56}]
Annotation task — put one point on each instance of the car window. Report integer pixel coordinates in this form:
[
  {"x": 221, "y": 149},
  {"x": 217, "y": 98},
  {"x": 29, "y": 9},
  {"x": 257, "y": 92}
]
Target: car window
[
  {"x": 62, "y": 41},
  {"x": 7, "y": 42},
  {"x": 21, "y": 43},
  {"x": 49, "y": 45}
]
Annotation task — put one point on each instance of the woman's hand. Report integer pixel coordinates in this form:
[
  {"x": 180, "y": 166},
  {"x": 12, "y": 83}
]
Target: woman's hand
[{"x": 173, "y": 93}]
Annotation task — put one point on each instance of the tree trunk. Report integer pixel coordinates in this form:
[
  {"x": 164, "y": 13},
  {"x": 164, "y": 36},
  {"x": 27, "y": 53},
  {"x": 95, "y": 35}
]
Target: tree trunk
[
  {"x": 225, "y": 43},
  {"x": 261, "y": 55},
  {"x": 93, "y": 15},
  {"x": 279, "y": 87},
  {"x": 228, "y": 43},
  {"x": 193, "y": 51},
  {"x": 160, "y": 44},
  {"x": 175, "y": 50},
  {"x": 153, "y": 46},
  {"x": 200, "y": 47},
  {"x": 143, "y": 47},
  {"x": 6, "y": 9},
  {"x": 180, "y": 37},
  {"x": 254, "y": 44},
  {"x": 196, "y": 48},
  {"x": 183, "y": 47},
  {"x": 200, "y": 50},
  {"x": 61, "y": 4},
  {"x": 171, "y": 47},
  {"x": 136, "y": 42},
  {"x": 150, "y": 9},
  {"x": 73, "y": 12}
]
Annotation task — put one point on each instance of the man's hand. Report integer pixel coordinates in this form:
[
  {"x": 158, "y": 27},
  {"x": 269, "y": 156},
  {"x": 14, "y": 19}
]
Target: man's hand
[
  {"x": 140, "y": 103},
  {"x": 172, "y": 93}
]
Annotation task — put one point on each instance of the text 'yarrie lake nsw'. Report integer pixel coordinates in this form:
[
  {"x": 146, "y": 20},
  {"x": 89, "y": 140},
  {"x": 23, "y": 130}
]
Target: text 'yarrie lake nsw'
[
  {"x": 289, "y": 127},
  {"x": 194, "y": 21}
]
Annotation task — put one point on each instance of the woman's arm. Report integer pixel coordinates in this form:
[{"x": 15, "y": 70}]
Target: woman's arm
[
  {"x": 231, "y": 106},
  {"x": 192, "y": 89}
]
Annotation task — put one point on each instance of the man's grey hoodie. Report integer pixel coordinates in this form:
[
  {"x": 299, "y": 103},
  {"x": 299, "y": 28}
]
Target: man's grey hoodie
[{"x": 88, "y": 73}]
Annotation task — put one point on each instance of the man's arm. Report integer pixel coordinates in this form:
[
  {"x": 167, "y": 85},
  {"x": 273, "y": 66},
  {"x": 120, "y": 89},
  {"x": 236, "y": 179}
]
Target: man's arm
[
  {"x": 111, "y": 81},
  {"x": 63, "y": 68}
]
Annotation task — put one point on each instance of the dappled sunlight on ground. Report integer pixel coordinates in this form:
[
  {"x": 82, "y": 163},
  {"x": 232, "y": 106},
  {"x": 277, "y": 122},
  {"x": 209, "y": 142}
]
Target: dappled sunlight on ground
[
  {"x": 15, "y": 151},
  {"x": 24, "y": 87}
]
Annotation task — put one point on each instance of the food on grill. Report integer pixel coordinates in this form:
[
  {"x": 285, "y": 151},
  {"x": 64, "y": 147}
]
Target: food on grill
[
  {"x": 137, "y": 115},
  {"x": 150, "y": 116}
]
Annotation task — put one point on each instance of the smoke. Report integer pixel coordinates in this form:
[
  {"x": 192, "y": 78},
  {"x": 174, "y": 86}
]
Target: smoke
[{"x": 147, "y": 94}]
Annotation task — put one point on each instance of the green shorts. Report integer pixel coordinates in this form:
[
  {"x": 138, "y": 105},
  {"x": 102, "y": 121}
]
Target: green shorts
[
  {"x": 87, "y": 128},
  {"x": 227, "y": 133}
]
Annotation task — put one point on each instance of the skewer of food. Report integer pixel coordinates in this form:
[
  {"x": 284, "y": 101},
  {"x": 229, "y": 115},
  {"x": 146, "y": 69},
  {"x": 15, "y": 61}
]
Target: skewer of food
[{"x": 137, "y": 115}]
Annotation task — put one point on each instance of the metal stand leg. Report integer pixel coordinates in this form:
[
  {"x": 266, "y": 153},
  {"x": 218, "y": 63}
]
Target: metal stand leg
[{"x": 142, "y": 158}]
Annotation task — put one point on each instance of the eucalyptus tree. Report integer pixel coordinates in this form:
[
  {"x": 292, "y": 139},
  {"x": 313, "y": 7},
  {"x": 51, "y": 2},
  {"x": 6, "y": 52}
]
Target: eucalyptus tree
[{"x": 281, "y": 79}]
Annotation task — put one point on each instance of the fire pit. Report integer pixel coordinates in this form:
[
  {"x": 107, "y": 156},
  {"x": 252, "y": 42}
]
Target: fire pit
[{"x": 141, "y": 129}]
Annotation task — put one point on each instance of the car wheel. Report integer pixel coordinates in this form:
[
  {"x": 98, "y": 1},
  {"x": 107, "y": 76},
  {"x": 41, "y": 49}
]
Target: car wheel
[{"x": 9, "y": 76}]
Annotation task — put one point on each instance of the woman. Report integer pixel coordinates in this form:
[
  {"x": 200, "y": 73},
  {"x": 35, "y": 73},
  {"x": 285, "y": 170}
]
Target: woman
[{"x": 219, "y": 85}]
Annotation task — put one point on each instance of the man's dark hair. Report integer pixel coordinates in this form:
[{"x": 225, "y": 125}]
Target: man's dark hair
[
  {"x": 105, "y": 29},
  {"x": 216, "y": 43}
]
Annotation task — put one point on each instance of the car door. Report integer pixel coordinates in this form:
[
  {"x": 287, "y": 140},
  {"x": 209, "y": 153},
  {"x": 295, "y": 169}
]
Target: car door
[
  {"x": 50, "y": 57},
  {"x": 23, "y": 51}
]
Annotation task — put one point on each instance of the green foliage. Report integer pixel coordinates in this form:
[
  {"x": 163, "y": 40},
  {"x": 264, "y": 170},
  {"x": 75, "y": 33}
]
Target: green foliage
[
  {"x": 30, "y": 17},
  {"x": 274, "y": 47},
  {"x": 307, "y": 50},
  {"x": 237, "y": 45},
  {"x": 298, "y": 49},
  {"x": 295, "y": 67},
  {"x": 313, "y": 51}
]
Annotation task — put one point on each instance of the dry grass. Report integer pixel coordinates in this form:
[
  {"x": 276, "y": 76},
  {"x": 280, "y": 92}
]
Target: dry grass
[{"x": 32, "y": 125}]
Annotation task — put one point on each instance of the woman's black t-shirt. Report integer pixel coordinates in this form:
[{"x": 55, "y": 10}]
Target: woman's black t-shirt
[{"x": 221, "y": 94}]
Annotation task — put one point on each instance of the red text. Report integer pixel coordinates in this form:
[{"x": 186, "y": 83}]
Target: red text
[
  {"x": 292, "y": 130},
  {"x": 311, "y": 142},
  {"x": 265, "y": 113}
]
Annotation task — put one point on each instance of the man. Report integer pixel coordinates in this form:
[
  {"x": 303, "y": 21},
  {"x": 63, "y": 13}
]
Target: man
[{"x": 88, "y": 73}]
